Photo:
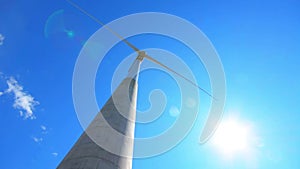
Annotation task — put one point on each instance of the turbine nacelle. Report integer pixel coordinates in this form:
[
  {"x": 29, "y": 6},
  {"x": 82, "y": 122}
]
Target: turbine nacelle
[{"x": 141, "y": 55}]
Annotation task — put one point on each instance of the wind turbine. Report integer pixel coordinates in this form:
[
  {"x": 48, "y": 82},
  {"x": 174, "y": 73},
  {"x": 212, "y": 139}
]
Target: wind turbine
[{"x": 86, "y": 153}]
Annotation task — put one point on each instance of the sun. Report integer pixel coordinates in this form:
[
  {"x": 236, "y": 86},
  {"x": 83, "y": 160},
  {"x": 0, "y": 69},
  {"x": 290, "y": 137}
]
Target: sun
[{"x": 231, "y": 137}]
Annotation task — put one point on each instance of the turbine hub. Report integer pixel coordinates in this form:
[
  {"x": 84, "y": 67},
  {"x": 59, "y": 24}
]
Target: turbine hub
[{"x": 141, "y": 55}]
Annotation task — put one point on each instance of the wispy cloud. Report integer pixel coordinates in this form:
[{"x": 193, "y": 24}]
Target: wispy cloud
[
  {"x": 37, "y": 139},
  {"x": 23, "y": 101},
  {"x": 1, "y": 93},
  {"x": 55, "y": 154},
  {"x": 1, "y": 39},
  {"x": 44, "y": 129}
]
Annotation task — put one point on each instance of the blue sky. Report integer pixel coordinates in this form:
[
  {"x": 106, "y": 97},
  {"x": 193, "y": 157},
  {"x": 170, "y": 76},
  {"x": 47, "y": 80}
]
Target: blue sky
[{"x": 257, "y": 41}]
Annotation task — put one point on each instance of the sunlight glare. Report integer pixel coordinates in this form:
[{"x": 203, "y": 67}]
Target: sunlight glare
[{"x": 231, "y": 137}]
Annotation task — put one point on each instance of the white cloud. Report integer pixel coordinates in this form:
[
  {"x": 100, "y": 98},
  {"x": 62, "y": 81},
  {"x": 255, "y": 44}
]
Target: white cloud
[
  {"x": 44, "y": 128},
  {"x": 55, "y": 154},
  {"x": 23, "y": 101},
  {"x": 1, "y": 39},
  {"x": 1, "y": 93},
  {"x": 37, "y": 139}
]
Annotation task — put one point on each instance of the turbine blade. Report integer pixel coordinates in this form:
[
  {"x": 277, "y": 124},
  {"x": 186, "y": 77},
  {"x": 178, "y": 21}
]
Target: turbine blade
[
  {"x": 101, "y": 23},
  {"x": 178, "y": 74}
]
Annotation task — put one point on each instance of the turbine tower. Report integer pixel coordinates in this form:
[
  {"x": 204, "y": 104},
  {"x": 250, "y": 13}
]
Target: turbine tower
[
  {"x": 86, "y": 153},
  {"x": 118, "y": 113}
]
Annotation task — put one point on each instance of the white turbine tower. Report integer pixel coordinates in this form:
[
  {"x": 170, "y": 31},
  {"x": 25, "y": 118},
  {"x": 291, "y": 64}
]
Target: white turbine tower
[{"x": 86, "y": 153}]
